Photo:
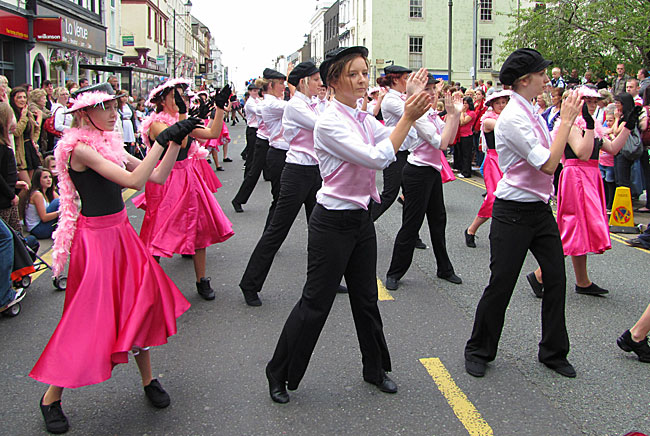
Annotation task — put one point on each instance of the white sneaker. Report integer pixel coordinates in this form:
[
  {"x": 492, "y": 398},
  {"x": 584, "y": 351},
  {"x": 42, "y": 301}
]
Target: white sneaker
[{"x": 460, "y": 176}]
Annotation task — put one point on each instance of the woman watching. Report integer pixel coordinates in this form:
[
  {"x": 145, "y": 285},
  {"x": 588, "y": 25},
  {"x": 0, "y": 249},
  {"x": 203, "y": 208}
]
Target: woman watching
[
  {"x": 28, "y": 129},
  {"x": 467, "y": 118},
  {"x": 41, "y": 207}
]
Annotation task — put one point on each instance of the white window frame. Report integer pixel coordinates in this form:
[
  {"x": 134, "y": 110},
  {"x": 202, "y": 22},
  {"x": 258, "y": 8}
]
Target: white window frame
[
  {"x": 486, "y": 57},
  {"x": 413, "y": 54},
  {"x": 486, "y": 9},
  {"x": 413, "y": 4}
]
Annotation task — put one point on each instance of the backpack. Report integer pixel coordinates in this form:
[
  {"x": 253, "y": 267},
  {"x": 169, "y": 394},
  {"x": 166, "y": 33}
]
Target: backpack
[{"x": 48, "y": 125}]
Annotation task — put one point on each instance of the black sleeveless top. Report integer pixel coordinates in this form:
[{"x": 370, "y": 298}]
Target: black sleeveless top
[
  {"x": 489, "y": 140},
  {"x": 99, "y": 196},
  {"x": 182, "y": 153},
  {"x": 569, "y": 154}
]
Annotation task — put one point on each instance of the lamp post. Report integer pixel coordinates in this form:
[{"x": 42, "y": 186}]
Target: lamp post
[
  {"x": 189, "y": 5},
  {"x": 451, "y": 4}
]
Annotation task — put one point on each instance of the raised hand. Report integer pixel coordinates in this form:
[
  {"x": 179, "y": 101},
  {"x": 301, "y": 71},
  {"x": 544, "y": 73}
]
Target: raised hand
[
  {"x": 177, "y": 132},
  {"x": 222, "y": 98},
  {"x": 178, "y": 99},
  {"x": 416, "y": 82},
  {"x": 416, "y": 105},
  {"x": 631, "y": 118},
  {"x": 571, "y": 107},
  {"x": 453, "y": 104},
  {"x": 589, "y": 120}
]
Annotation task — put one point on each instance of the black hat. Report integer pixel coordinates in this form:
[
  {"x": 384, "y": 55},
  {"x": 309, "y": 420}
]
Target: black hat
[
  {"x": 272, "y": 74},
  {"x": 337, "y": 54},
  {"x": 303, "y": 69},
  {"x": 521, "y": 62},
  {"x": 396, "y": 69},
  {"x": 431, "y": 80},
  {"x": 253, "y": 86}
]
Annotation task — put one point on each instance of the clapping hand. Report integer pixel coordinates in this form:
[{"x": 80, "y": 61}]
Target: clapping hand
[
  {"x": 416, "y": 82},
  {"x": 571, "y": 107},
  {"x": 453, "y": 104},
  {"x": 416, "y": 106},
  {"x": 222, "y": 98}
]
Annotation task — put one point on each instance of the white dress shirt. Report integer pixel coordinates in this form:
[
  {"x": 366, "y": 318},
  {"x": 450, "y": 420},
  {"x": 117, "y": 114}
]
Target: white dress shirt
[
  {"x": 429, "y": 135},
  {"x": 298, "y": 114},
  {"x": 272, "y": 112},
  {"x": 251, "y": 116},
  {"x": 515, "y": 140},
  {"x": 336, "y": 143},
  {"x": 392, "y": 109}
]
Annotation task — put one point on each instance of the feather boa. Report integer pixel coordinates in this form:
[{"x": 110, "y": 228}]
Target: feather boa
[
  {"x": 111, "y": 147},
  {"x": 196, "y": 151},
  {"x": 599, "y": 129}
]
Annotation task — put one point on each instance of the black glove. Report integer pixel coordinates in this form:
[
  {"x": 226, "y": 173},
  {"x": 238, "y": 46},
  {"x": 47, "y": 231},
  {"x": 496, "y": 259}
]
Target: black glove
[
  {"x": 631, "y": 118},
  {"x": 589, "y": 120},
  {"x": 194, "y": 111},
  {"x": 204, "y": 110},
  {"x": 182, "y": 107},
  {"x": 177, "y": 132},
  {"x": 221, "y": 99}
]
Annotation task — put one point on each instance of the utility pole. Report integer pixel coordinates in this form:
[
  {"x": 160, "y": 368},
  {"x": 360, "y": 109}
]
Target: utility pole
[
  {"x": 451, "y": 4},
  {"x": 474, "y": 37}
]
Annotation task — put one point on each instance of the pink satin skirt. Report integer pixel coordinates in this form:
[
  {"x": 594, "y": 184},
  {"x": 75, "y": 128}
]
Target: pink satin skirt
[
  {"x": 207, "y": 174},
  {"x": 182, "y": 215},
  {"x": 445, "y": 172},
  {"x": 224, "y": 137},
  {"x": 491, "y": 175},
  {"x": 581, "y": 214},
  {"x": 118, "y": 299}
]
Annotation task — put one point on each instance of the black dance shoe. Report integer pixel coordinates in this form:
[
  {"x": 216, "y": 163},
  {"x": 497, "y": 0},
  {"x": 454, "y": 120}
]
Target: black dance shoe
[
  {"x": 592, "y": 289},
  {"x": 475, "y": 369},
  {"x": 566, "y": 370},
  {"x": 342, "y": 289},
  {"x": 227, "y": 159},
  {"x": 420, "y": 245},
  {"x": 204, "y": 289},
  {"x": 385, "y": 384},
  {"x": 391, "y": 283},
  {"x": 277, "y": 389},
  {"x": 237, "y": 206},
  {"x": 537, "y": 287},
  {"x": 252, "y": 298},
  {"x": 470, "y": 240},
  {"x": 641, "y": 348},
  {"x": 451, "y": 278},
  {"x": 55, "y": 420},
  {"x": 156, "y": 395}
]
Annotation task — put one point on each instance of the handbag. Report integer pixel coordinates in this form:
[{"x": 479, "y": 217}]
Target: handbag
[
  {"x": 645, "y": 135},
  {"x": 633, "y": 148},
  {"x": 48, "y": 125}
]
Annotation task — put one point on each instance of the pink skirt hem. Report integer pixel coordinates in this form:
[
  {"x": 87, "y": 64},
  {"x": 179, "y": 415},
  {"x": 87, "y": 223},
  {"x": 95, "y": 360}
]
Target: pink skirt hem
[{"x": 491, "y": 176}]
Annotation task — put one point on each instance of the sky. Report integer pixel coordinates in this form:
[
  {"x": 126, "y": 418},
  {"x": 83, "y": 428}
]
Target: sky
[{"x": 251, "y": 34}]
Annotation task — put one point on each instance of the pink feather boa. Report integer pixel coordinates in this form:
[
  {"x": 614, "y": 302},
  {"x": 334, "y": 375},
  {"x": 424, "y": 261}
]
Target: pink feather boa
[
  {"x": 111, "y": 147},
  {"x": 196, "y": 151},
  {"x": 599, "y": 129}
]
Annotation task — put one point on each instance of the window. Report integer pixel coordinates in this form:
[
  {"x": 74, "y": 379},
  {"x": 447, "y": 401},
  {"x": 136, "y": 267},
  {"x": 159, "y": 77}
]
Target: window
[
  {"x": 415, "y": 9},
  {"x": 486, "y": 10},
  {"x": 415, "y": 52},
  {"x": 485, "y": 57}
]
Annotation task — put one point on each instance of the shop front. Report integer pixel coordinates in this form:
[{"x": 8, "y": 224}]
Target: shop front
[{"x": 14, "y": 47}]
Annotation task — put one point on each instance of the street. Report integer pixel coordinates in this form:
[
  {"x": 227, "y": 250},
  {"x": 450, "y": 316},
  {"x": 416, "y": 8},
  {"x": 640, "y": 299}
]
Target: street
[{"x": 213, "y": 368}]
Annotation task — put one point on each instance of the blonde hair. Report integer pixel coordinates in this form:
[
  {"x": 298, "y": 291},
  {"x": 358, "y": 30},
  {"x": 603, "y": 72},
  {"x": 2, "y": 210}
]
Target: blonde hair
[
  {"x": 36, "y": 95},
  {"x": 262, "y": 84},
  {"x": 57, "y": 92},
  {"x": 518, "y": 81}
]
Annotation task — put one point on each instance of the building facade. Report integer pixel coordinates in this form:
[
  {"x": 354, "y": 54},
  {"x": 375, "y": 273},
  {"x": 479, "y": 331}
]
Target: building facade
[
  {"x": 317, "y": 32},
  {"x": 15, "y": 42},
  {"x": 331, "y": 29}
]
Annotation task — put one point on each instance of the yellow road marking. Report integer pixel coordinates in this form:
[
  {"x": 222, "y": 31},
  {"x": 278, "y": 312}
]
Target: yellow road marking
[
  {"x": 128, "y": 193},
  {"x": 460, "y": 404},
  {"x": 238, "y": 136},
  {"x": 382, "y": 292},
  {"x": 472, "y": 182},
  {"x": 47, "y": 257}
]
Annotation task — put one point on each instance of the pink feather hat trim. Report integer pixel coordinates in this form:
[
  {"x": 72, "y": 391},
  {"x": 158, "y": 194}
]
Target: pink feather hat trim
[
  {"x": 171, "y": 83},
  {"x": 91, "y": 99},
  {"x": 499, "y": 94},
  {"x": 587, "y": 91}
]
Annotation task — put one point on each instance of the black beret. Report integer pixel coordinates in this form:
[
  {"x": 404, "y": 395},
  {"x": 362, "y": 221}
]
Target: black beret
[
  {"x": 337, "y": 54},
  {"x": 396, "y": 69},
  {"x": 269, "y": 74},
  {"x": 253, "y": 86},
  {"x": 431, "y": 80},
  {"x": 303, "y": 69},
  {"x": 521, "y": 62}
]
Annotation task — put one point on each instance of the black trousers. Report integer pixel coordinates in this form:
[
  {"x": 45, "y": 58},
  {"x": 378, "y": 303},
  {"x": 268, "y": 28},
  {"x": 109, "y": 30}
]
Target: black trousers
[
  {"x": 423, "y": 196},
  {"x": 341, "y": 243},
  {"x": 466, "y": 144},
  {"x": 392, "y": 182},
  {"x": 622, "y": 170},
  {"x": 298, "y": 187},
  {"x": 250, "y": 180},
  {"x": 274, "y": 165},
  {"x": 249, "y": 151},
  {"x": 516, "y": 228}
]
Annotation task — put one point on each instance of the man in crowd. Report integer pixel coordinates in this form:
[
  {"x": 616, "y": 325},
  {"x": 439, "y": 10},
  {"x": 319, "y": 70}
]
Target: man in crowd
[
  {"x": 114, "y": 83},
  {"x": 632, "y": 88},
  {"x": 557, "y": 81},
  {"x": 573, "y": 80},
  {"x": 49, "y": 89},
  {"x": 490, "y": 88},
  {"x": 621, "y": 79},
  {"x": 588, "y": 79},
  {"x": 83, "y": 82},
  {"x": 644, "y": 80}
]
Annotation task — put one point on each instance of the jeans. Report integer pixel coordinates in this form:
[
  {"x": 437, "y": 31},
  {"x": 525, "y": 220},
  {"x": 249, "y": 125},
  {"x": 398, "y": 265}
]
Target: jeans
[
  {"x": 6, "y": 264},
  {"x": 44, "y": 230}
]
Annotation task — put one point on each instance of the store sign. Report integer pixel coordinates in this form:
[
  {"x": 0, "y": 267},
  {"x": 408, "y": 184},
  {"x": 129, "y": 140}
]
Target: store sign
[
  {"x": 161, "y": 60},
  {"x": 128, "y": 41},
  {"x": 13, "y": 25},
  {"x": 78, "y": 35},
  {"x": 47, "y": 29}
]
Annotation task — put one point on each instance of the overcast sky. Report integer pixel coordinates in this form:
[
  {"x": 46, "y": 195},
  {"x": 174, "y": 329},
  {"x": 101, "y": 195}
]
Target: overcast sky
[{"x": 252, "y": 33}]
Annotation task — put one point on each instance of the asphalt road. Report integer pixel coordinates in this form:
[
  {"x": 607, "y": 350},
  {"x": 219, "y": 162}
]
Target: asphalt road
[{"x": 214, "y": 367}]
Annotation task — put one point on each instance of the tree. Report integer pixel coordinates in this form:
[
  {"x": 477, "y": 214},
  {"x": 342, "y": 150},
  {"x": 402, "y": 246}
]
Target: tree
[{"x": 584, "y": 34}]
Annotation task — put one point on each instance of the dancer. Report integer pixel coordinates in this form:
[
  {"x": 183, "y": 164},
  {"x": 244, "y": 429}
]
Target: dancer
[
  {"x": 271, "y": 81},
  {"x": 133, "y": 304},
  {"x": 522, "y": 218},
  {"x": 423, "y": 196},
  {"x": 491, "y": 172},
  {"x": 351, "y": 146},
  {"x": 252, "y": 124},
  {"x": 636, "y": 338},
  {"x": 299, "y": 182},
  {"x": 581, "y": 206},
  {"x": 182, "y": 216}
]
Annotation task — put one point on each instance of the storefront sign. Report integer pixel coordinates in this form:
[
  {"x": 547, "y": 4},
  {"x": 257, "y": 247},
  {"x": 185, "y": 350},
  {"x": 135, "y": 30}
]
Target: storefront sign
[
  {"x": 128, "y": 41},
  {"x": 47, "y": 29},
  {"x": 13, "y": 25},
  {"x": 77, "y": 34},
  {"x": 161, "y": 60}
]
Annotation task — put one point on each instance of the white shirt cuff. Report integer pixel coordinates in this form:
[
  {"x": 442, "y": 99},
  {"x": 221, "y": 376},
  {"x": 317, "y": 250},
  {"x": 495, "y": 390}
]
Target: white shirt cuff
[{"x": 538, "y": 156}]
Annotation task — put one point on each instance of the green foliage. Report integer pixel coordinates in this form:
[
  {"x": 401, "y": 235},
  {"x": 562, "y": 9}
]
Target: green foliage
[{"x": 584, "y": 34}]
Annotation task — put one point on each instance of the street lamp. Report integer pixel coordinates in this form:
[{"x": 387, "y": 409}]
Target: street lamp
[{"x": 188, "y": 5}]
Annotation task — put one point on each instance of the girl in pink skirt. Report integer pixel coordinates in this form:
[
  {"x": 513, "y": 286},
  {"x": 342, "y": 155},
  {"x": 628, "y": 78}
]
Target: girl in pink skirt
[
  {"x": 491, "y": 171},
  {"x": 118, "y": 299},
  {"x": 581, "y": 213},
  {"x": 212, "y": 145},
  {"x": 182, "y": 216}
]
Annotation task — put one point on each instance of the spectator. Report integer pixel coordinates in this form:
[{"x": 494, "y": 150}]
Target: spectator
[
  {"x": 621, "y": 79},
  {"x": 50, "y": 164},
  {"x": 542, "y": 102},
  {"x": 8, "y": 173},
  {"x": 62, "y": 119},
  {"x": 490, "y": 89},
  {"x": 83, "y": 82},
  {"x": 49, "y": 90},
  {"x": 552, "y": 114},
  {"x": 606, "y": 160},
  {"x": 41, "y": 209},
  {"x": 588, "y": 79},
  {"x": 127, "y": 115},
  {"x": 70, "y": 85},
  {"x": 573, "y": 80},
  {"x": 4, "y": 88},
  {"x": 606, "y": 99},
  {"x": 114, "y": 83},
  {"x": 601, "y": 83},
  {"x": 632, "y": 88},
  {"x": 557, "y": 81},
  {"x": 26, "y": 134},
  {"x": 479, "y": 110},
  {"x": 37, "y": 101},
  {"x": 27, "y": 86},
  {"x": 623, "y": 166},
  {"x": 644, "y": 80},
  {"x": 467, "y": 118}
]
